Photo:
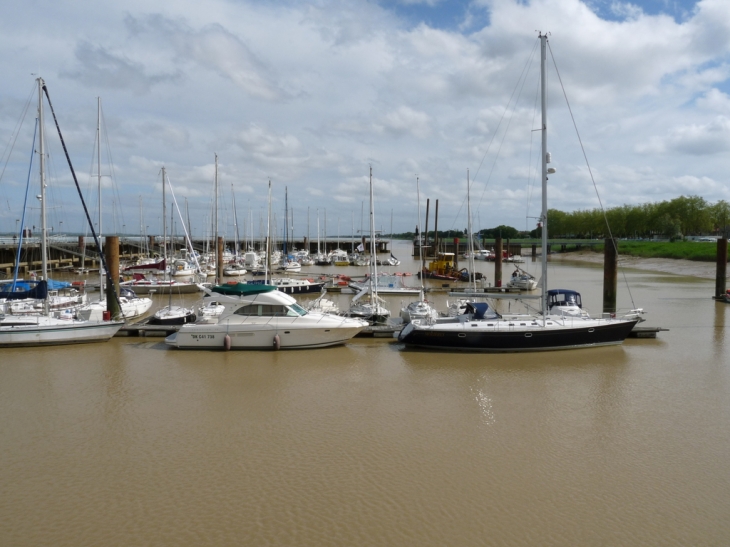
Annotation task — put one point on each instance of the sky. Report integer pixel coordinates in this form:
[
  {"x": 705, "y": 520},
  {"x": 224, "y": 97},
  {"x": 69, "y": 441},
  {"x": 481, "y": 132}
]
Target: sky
[{"x": 311, "y": 95}]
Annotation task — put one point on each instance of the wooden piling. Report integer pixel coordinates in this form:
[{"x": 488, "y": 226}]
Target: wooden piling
[
  {"x": 610, "y": 275},
  {"x": 111, "y": 252},
  {"x": 498, "y": 261},
  {"x": 219, "y": 260},
  {"x": 534, "y": 251},
  {"x": 436, "y": 229},
  {"x": 425, "y": 231},
  {"x": 721, "y": 271}
]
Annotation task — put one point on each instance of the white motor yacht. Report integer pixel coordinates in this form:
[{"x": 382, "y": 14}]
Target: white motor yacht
[{"x": 262, "y": 317}]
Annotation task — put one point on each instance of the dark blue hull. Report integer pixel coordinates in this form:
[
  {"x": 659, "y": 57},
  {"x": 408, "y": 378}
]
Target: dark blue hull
[{"x": 517, "y": 341}]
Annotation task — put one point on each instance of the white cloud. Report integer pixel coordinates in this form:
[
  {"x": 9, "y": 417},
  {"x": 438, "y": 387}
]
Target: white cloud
[{"x": 310, "y": 95}]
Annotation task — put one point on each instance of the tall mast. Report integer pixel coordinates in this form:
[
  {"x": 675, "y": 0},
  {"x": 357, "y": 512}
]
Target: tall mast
[
  {"x": 42, "y": 169},
  {"x": 98, "y": 180},
  {"x": 471, "y": 241},
  {"x": 215, "y": 221},
  {"x": 286, "y": 219},
  {"x": 268, "y": 239},
  {"x": 164, "y": 222},
  {"x": 543, "y": 216},
  {"x": 420, "y": 238},
  {"x": 235, "y": 222},
  {"x": 373, "y": 252}
]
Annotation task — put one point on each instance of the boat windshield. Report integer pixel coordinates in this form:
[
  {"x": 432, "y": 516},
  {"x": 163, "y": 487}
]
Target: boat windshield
[{"x": 296, "y": 309}]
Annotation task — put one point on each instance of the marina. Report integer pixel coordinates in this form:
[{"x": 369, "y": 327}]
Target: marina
[
  {"x": 129, "y": 442},
  {"x": 192, "y": 354}
]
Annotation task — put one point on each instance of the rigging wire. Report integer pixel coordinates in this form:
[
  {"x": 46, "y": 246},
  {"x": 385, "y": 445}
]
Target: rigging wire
[
  {"x": 520, "y": 84},
  {"x": 590, "y": 172},
  {"x": 102, "y": 258},
  {"x": 523, "y": 80},
  {"x": 13, "y": 139}
]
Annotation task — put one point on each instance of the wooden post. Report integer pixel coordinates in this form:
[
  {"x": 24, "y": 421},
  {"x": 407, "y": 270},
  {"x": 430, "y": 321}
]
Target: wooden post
[
  {"x": 721, "y": 273},
  {"x": 425, "y": 231},
  {"x": 436, "y": 228},
  {"x": 456, "y": 254},
  {"x": 111, "y": 252},
  {"x": 610, "y": 275},
  {"x": 498, "y": 261},
  {"x": 219, "y": 260},
  {"x": 534, "y": 251}
]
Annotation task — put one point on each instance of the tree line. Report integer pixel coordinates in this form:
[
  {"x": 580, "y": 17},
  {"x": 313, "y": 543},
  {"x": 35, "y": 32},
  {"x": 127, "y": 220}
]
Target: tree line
[{"x": 673, "y": 219}]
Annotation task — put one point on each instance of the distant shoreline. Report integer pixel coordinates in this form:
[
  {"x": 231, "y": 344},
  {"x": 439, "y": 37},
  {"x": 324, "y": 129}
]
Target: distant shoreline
[{"x": 692, "y": 268}]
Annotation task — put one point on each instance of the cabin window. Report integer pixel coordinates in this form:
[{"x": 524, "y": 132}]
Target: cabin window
[
  {"x": 296, "y": 309},
  {"x": 261, "y": 310}
]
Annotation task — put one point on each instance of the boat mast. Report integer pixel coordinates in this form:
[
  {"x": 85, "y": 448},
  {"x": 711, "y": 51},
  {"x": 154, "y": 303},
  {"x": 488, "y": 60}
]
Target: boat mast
[
  {"x": 42, "y": 169},
  {"x": 164, "y": 223},
  {"x": 215, "y": 224},
  {"x": 98, "y": 180},
  {"x": 472, "y": 273},
  {"x": 235, "y": 223},
  {"x": 373, "y": 252},
  {"x": 286, "y": 220},
  {"x": 420, "y": 240},
  {"x": 268, "y": 239},
  {"x": 543, "y": 216}
]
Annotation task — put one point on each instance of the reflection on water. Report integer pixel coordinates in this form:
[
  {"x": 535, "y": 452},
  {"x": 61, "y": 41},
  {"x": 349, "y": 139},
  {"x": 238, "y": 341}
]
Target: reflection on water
[{"x": 132, "y": 443}]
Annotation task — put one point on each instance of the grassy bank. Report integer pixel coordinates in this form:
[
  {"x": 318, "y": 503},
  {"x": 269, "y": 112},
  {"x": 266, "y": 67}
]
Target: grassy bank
[{"x": 700, "y": 251}]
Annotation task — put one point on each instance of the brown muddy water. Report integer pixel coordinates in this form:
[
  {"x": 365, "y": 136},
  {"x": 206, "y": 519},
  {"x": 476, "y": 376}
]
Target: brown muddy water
[{"x": 131, "y": 443}]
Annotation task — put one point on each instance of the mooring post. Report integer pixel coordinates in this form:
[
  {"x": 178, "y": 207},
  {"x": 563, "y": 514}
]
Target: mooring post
[
  {"x": 498, "y": 261},
  {"x": 436, "y": 228},
  {"x": 721, "y": 272},
  {"x": 610, "y": 275},
  {"x": 456, "y": 253},
  {"x": 425, "y": 231},
  {"x": 111, "y": 250},
  {"x": 219, "y": 259},
  {"x": 534, "y": 252}
]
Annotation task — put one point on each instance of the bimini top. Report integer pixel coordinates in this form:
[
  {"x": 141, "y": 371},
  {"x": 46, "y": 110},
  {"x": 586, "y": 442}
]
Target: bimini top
[
  {"x": 242, "y": 289},
  {"x": 564, "y": 297}
]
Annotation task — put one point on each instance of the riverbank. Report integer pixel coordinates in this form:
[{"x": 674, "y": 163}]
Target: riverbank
[{"x": 704, "y": 270}]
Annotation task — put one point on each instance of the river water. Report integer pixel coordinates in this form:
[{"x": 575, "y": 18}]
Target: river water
[{"x": 131, "y": 443}]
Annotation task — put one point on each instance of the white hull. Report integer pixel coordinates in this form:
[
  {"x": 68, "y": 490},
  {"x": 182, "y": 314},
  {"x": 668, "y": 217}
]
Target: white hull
[
  {"x": 50, "y": 332},
  {"x": 293, "y": 333}
]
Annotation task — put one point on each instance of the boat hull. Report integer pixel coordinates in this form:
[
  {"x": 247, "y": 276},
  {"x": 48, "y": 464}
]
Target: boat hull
[
  {"x": 466, "y": 337},
  {"x": 162, "y": 288},
  {"x": 260, "y": 336},
  {"x": 53, "y": 335}
]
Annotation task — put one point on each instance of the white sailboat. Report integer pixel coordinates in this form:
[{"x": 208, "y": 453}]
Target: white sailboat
[
  {"x": 131, "y": 305},
  {"x": 420, "y": 309},
  {"x": 561, "y": 323},
  {"x": 151, "y": 284},
  {"x": 373, "y": 310},
  {"x": 30, "y": 330}
]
